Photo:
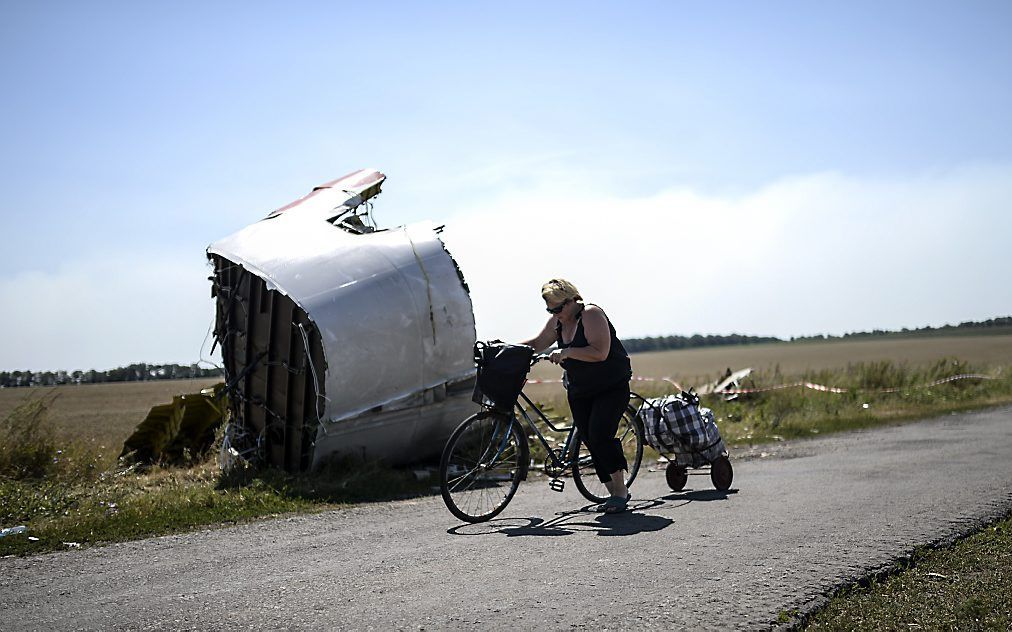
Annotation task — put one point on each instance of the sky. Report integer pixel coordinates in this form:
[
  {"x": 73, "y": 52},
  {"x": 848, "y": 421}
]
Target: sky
[{"x": 785, "y": 169}]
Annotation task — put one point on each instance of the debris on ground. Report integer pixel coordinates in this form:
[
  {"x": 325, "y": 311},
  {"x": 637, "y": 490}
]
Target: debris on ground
[{"x": 177, "y": 432}]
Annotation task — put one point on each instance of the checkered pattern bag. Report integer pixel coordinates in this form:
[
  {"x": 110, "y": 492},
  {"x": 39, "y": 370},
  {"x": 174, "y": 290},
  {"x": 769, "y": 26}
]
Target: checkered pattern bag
[{"x": 678, "y": 425}]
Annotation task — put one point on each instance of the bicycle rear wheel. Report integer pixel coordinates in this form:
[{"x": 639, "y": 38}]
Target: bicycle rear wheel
[
  {"x": 630, "y": 435},
  {"x": 482, "y": 465}
]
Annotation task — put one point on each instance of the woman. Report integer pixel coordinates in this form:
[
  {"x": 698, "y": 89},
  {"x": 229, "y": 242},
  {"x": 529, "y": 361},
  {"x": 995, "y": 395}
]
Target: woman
[{"x": 597, "y": 379}]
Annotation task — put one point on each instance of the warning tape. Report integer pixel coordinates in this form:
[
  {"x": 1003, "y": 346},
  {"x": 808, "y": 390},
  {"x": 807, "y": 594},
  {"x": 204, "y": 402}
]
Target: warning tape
[
  {"x": 808, "y": 385},
  {"x": 634, "y": 379},
  {"x": 834, "y": 389}
]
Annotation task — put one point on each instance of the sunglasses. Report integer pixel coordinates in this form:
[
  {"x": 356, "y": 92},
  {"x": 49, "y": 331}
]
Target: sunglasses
[{"x": 558, "y": 308}]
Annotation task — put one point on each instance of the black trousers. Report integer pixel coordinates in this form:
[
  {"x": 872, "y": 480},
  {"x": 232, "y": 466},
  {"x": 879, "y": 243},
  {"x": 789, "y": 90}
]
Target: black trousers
[{"x": 596, "y": 416}]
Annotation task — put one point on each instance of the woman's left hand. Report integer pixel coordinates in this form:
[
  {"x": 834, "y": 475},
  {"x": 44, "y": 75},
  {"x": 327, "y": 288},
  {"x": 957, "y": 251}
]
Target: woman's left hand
[{"x": 558, "y": 355}]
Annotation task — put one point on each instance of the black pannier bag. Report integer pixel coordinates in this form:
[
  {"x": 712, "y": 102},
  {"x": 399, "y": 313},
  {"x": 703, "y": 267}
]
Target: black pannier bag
[{"x": 502, "y": 372}]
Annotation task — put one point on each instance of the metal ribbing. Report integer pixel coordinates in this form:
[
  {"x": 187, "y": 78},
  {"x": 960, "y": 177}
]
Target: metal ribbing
[{"x": 273, "y": 394}]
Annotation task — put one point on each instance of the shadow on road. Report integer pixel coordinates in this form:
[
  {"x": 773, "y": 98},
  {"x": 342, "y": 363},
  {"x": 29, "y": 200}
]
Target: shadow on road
[
  {"x": 588, "y": 520},
  {"x": 700, "y": 495}
]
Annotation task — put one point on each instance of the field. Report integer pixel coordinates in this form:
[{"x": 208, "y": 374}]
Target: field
[
  {"x": 861, "y": 366},
  {"x": 694, "y": 367},
  {"x": 104, "y": 414}
]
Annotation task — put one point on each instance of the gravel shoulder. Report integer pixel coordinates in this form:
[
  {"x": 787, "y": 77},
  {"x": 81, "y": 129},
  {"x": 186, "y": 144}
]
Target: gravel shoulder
[{"x": 793, "y": 527}]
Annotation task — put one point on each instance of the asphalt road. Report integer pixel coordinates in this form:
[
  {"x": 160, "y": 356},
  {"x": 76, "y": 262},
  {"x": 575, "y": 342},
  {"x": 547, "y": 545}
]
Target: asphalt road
[{"x": 794, "y": 526}]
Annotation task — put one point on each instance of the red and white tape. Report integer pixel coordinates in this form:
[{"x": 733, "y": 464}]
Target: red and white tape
[
  {"x": 834, "y": 389},
  {"x": 634, "y": 379},
  {"x": 808, "y": 385}
]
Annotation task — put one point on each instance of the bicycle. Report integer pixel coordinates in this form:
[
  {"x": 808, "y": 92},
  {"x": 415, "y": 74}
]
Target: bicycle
[{"x": 488, "y": 455}]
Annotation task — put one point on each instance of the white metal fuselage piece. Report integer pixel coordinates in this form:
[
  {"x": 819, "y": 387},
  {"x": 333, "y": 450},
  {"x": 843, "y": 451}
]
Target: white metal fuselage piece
[{"x": 394, "y": 317}]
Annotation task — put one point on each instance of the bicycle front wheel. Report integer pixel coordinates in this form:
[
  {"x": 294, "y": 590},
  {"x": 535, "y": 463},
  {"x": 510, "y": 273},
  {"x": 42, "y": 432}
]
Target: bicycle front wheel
[
  {"x": 482, "y": 465},
  {"x": 630, "y": 435}
]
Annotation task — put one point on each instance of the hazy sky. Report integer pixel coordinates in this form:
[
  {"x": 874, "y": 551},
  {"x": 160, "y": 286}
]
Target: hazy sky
[{"x": 764, "y": 168}]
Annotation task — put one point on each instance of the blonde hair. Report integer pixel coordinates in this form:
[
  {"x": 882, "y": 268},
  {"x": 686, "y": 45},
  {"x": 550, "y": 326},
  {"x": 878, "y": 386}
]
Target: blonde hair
[{"x": 559, "y": 290}]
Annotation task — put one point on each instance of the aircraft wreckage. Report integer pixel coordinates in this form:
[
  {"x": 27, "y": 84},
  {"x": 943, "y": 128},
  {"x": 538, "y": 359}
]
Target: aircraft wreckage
[{"x": 339, "y": 337}]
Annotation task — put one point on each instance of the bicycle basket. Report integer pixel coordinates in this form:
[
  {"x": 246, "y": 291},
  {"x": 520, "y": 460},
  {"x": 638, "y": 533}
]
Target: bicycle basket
[{"x": 502, "y": 372}]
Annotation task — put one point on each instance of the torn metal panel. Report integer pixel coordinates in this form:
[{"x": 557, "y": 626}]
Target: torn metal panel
[
  {"x": 324, "y": 318},
  {"x": 730, "y": 380},
  {"x": 173, "y": 433}
]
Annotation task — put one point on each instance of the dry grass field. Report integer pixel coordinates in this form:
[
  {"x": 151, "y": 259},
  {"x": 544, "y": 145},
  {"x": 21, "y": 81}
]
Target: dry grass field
[
  {"x": 694, "y": 367},
  {"x": 104, "y": 414},
  {"x": 107, "y": 413}
]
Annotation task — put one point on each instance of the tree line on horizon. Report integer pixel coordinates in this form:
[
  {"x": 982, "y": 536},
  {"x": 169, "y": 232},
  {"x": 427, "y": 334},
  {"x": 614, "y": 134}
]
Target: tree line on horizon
[
  {"x": 664, "y": 343},
  {"x": 143, "y": 372}
]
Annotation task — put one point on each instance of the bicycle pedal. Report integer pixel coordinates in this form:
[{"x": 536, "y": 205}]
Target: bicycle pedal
[{"x": 557, "y": 484}]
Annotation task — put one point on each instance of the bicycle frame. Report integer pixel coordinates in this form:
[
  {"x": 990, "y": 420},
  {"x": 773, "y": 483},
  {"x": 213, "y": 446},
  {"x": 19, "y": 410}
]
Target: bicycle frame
[
  {"x": 636, "y": 396},
  {"x": 567, "y": 447}
]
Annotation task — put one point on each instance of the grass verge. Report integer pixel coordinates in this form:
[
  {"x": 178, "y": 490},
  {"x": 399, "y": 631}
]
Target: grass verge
[
  {"x": 67, "y": 499},
  {"x": 128, "y": 506},
  {"x": 964, "y": 586},
  {"x": 799, "y": 413}
]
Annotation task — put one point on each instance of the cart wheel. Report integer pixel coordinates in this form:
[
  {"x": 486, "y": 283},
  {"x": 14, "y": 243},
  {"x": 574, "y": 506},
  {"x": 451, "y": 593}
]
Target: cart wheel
[
  {"x": 721, "y": 473},
  {"x": 677, "y": 476}
]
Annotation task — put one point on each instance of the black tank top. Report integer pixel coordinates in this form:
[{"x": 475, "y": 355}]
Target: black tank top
[{"x": 586, "y": 378}]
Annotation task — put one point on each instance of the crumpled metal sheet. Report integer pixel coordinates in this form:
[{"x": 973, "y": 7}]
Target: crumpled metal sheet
[
  {"x": 172, "y": 433},
  {"x": 394, "y": 317}
]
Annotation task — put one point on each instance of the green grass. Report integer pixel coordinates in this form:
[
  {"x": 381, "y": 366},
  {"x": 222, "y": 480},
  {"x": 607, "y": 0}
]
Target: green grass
[
  {"x": 965, "y": 586},
  {"x": 798, "y": 412},
  {"x": 128, "y": 506},
  {"x": 66, "y": 498}
]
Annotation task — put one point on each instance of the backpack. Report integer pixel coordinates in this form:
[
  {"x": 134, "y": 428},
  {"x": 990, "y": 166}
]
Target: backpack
[
  {"x": 677, "y": 424},
  {"x": 502, "y": 373}
]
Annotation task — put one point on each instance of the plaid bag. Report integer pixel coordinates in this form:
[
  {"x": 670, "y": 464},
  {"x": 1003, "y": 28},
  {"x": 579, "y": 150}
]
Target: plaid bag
[{"x": 678, "y": 425}]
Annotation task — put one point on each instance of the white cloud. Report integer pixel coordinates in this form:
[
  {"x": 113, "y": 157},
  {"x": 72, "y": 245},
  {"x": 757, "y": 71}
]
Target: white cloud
[
  {"x": 815, "y": 253},
  {"x": 106, "y": 312}
]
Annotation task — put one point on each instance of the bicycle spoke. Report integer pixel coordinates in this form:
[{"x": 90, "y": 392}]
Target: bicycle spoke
[
  {"x": 630, "y": 437},
  {"x": 481, "y": 466}
]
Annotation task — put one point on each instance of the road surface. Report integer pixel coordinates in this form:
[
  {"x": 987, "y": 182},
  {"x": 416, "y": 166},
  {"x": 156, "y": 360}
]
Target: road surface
[{"x": 794, "y": 526}]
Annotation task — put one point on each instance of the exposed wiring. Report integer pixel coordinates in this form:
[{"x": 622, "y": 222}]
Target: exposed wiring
[
  {"x": 316, "y": 381},
  {"x": 287, "y": 367},
  {"x": 368, "y": 215},
  {"x": 203, "y": 346}
]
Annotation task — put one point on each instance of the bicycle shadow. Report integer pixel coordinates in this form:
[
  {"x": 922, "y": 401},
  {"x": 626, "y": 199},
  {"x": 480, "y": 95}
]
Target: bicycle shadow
[
  {"x": 567, "y": 523},
  {"x": 588, "y": 520}
]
